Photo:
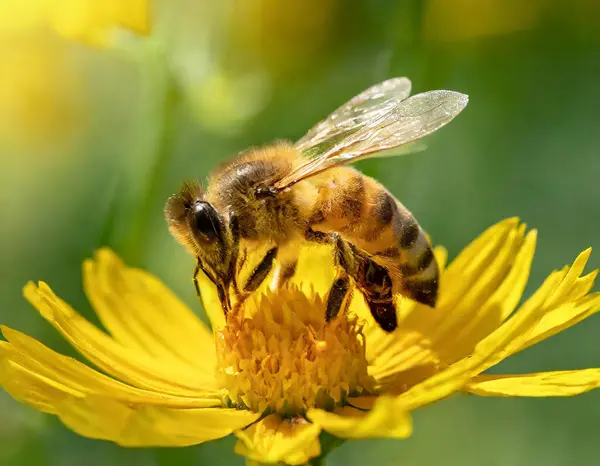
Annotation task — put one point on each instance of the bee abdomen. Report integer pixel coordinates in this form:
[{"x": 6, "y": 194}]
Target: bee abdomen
[
  {"x": 418, "y": 268},
  {"x": 410, "y": 250}
]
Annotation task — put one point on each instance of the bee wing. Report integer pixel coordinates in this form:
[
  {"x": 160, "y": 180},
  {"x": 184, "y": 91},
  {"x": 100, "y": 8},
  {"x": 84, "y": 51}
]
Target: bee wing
[
  {"x": 381, "y": 121},
  {"x": 355, "y": 114}
]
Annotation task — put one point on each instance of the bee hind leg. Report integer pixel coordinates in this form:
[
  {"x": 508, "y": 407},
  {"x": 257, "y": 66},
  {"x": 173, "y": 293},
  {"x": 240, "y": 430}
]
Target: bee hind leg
[
  {"x": 376, "y": 285},
  {"x": 371, "y": 279},
  {"x": 339, "y": 296}
]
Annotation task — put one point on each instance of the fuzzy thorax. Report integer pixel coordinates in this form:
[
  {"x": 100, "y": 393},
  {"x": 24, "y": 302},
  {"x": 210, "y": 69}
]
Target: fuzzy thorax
[{"x": 277, "y": 353}]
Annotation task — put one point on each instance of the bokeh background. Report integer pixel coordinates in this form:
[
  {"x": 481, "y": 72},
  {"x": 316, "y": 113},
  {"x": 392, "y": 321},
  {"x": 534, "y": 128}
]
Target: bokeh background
[{"x": 98, "y": 127}]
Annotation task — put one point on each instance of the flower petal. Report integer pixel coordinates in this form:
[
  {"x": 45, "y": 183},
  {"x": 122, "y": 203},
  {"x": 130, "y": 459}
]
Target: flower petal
[
  {"x": 93, "y": 21},
  {"x": 478, "y": 291},
  {"x": 557, "y": 383},
  {"x": 579, "y": 305},
  {"x": 564, "y": 302},
  {"x": 30, "y": 367},
  {"x": 141, "y": 313},
  {"x": 383, "y": 347},
  {"x": 129, "y": 365},
  {"x": 491, "y": 350},
  {"x": 131, "y": 426},
  {"x": 496, "y": 308},
  {"x": 277, "y": 440},
  {"x": 386, "y": 419},
  {"x": 469, "y": 287},
  {"x": 210, "y": 301}
]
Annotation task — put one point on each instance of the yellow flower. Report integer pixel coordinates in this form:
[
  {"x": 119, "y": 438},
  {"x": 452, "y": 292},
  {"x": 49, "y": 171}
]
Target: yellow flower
[
  {"x": 87, "y": 20},
  {"x": 41, "y": 101},
  {"x": 275, "y": 373}
]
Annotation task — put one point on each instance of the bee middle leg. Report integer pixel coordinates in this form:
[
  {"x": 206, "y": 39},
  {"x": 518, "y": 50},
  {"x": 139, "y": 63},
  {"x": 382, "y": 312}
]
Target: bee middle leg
[
  {"x": 284, "y": 273},
  {"x": 261, "y": 271},
  {"x": 371, "y": 279},
  {"x": 257, "y": 277}
]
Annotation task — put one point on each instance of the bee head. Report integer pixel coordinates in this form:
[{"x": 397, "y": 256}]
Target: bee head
[{"x": 198, "y": 226}]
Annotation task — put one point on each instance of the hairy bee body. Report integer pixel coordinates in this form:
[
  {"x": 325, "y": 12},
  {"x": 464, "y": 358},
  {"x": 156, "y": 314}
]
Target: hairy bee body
[
  {"x": 286, "y": 193},
  {"x": 341, "y": 200},
  {"x": 235, "y": 186}
]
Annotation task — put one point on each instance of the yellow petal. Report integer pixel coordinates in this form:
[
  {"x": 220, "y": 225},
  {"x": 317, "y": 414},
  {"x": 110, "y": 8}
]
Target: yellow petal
[
  {"x": 131, "y": 426},
  {"x": 557, "y": 383},
  {"x": 573, "y": 289},
  {"x": 405, "y": 343},
  {"x": 135, "y": 15},
  {"x": 129, "y": 365},
  {"x": 315, "y": 269},
  {"x": 500, "y": 304},
  {"x": 28, "y": 387},
  {"x": 385, "y": 419},
  {"x": 468, "y": 288},
  {"x": 141, "y": 313},
  {"x": 93, "y": 20},
  {"x": 564, "y": 302},
  {"x": 491, "y": 350},
  {"x": 478, "y": 291},
  {"x": 381, "y": 346},
  {"x": 277, "y": 440},
  {"x": 51, "y": 375},
  {"x": 210, "y": 301}
]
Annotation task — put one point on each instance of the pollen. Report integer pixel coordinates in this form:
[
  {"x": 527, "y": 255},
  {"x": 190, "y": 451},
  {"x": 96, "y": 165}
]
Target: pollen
[{"x": 277, "y": 353}]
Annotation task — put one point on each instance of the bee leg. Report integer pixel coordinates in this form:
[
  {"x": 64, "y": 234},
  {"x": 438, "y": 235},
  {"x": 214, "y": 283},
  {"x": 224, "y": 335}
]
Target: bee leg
[
  {"x": 223, "y": 296},
  {"x": 261, "y": 271},
  {"x": 375, "y": 283},
  {"x": 339, "y": 296},
  {"x": 371, "y": 278},
  {"x": 283, "y": 273},
  {"x": 235, "y": 263}
]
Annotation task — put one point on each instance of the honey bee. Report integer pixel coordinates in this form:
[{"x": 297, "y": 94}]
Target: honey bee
[{"x": 286, "y": 193}]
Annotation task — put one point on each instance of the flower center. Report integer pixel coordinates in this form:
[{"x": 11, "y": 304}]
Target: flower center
[{"x": 278, "y": 353}]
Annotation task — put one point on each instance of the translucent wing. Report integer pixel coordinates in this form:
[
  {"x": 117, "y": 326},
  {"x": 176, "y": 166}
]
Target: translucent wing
[
  {"x": 354, "y": 114},
  {"x": 382, "y": 118}
]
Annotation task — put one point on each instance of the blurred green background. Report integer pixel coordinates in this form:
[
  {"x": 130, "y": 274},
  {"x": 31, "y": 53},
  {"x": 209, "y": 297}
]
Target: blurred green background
[{"x": 94, "y": 137}]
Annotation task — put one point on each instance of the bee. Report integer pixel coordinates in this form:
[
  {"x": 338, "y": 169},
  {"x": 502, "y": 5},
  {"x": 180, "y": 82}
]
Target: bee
[{"x": 287, "y": 193}]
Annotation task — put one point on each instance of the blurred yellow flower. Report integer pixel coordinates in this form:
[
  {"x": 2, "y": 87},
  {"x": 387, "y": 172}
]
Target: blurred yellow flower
[
  {"x": 39, "y": 91},
  {"x": 89, "y": 20},
  {"x": 40, "y": 86},
  {"x": 275, "y": 373}
]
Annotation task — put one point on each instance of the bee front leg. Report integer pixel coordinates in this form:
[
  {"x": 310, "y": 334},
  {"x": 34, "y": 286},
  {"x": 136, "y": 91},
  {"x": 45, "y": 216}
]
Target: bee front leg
[{"x": 222, "y": 294}]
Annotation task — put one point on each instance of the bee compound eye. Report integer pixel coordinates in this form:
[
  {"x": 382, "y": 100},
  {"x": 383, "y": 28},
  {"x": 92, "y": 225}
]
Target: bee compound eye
[{"x": 205, "y": 220}]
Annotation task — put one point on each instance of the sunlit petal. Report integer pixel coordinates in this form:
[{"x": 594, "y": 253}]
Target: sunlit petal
[
  {"x": 42, "y": 370},
  {"x": 278, "y": 440},
  {"x": 141, "y": 313},
  {"x": 557, "y": 383},
  {"x": 129, "y": 365},
  {"x": 132, "y": 426},
  {"x": 385, "y": 419}
]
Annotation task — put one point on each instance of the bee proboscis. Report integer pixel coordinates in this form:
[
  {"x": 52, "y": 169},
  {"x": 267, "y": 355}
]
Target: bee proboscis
[{"x": 285, "y": 193}]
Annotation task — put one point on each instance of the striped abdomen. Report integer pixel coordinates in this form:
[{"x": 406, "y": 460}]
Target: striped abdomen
[{"x": 368, "y": 216}]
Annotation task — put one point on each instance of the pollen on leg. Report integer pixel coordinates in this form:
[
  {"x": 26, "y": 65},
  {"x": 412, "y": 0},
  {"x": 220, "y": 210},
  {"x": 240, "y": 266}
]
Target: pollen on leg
[{"x": 278, "y": 353}]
